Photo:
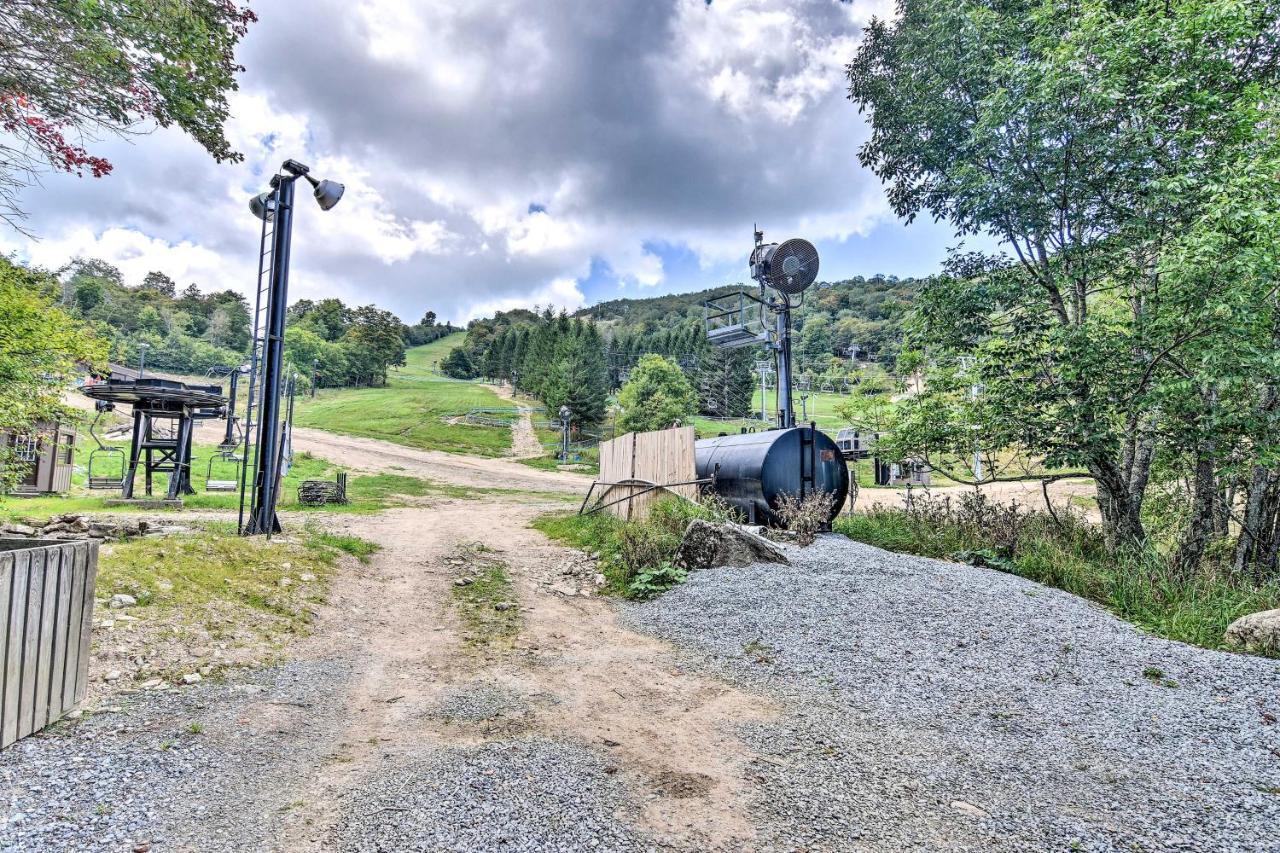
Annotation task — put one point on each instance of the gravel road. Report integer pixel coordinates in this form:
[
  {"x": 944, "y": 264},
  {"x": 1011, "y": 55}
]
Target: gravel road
[{"x": 936, "y": 706}]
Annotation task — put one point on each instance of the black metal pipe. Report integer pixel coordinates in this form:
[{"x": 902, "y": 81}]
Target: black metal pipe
[
  {"x": 228, "y": 440},
  {"x": 262, "y": 513}
]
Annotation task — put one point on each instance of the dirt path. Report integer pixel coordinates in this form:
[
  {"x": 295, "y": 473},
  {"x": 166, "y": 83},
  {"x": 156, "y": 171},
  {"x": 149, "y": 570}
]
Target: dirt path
[
  {"x": 524, "y": 441},
  {"x": 368, "y": 454},
  {"x": 596, "y": 736},
  {"x": 571, "y": 673},
  {"x": 1028, "y": 494}
]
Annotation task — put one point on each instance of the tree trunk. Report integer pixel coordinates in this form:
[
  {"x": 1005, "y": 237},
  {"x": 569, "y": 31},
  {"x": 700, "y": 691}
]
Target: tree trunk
[
  {"x": 1121, "y": 510},
  {"x": 1202, "y": 527}
]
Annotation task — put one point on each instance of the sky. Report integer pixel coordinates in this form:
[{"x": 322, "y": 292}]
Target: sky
[{"x": 508, "y": 153}]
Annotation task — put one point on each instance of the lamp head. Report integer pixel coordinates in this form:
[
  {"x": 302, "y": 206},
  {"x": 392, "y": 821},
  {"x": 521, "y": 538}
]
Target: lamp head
[
  {"x": 263, "y": 205},
  {"x": 327, "y": 193}
]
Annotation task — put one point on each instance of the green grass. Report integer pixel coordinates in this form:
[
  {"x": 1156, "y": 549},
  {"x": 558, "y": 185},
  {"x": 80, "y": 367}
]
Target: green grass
[
  {"x": 361, "y": 549},
  {"x": 485, "y": 599},
  {"x": 1139, "y": 587},
  {"x": 368, "y": 492},
  {"x": 234, "y": 577},
  {"x": 411, "y": 408},
  {"x": 635, "y": 556}
]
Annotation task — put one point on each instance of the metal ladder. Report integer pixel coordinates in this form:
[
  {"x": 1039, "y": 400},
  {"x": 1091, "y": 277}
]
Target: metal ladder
[
  {"x": 266, "y": 264},
  {"x": 809, "y": 453}
]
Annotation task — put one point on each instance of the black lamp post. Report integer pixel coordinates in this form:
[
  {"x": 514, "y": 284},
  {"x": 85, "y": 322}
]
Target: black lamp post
[{"x": 276, "y": 206}]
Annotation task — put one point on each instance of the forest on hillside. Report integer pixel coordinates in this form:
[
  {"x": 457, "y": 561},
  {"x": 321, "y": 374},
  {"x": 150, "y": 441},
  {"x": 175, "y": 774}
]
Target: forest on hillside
[
  {"x": 189, "y": 331},
  {"x": 837, "y": 327}
]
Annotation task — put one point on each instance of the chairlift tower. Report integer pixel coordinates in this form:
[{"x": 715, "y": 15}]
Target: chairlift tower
[{"x": 783, "y": 270}]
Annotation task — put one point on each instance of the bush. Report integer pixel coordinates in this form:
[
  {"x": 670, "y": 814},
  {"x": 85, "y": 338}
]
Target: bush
[
  {"x": 636, "y": 557},
  {"x": 806, "y": 517}
]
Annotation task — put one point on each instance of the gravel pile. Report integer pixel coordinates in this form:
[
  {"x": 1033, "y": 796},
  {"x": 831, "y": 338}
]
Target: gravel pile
[
  {"x": 516, "y": 796},
  {"x": 933, "y": 705}
]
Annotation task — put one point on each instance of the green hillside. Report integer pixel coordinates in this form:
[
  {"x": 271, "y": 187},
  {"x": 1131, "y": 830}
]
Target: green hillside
[{"x": 411, "y": 409}]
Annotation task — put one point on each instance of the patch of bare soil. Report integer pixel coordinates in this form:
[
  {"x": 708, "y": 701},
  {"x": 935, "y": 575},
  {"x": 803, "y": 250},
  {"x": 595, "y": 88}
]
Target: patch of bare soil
[
  {"x": 567, "y": 671},
  {"x": 1028, "y": 494},
  {"x": 524, "y": 441}
]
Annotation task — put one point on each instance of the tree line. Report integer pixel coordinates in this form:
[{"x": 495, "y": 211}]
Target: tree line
[
  {"x": 578, "y": 362},
  {"x": 191, "y": 332}
]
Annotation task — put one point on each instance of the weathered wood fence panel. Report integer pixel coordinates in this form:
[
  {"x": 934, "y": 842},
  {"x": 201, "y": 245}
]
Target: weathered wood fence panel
[
  {"x": 662, "y": 457},
  {"x": 46, "y": 616}
]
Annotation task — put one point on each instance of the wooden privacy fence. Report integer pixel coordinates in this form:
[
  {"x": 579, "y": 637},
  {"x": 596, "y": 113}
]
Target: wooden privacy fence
[
  {"x": 632, "y": 464},
  {"x": 46, "y": 615}
]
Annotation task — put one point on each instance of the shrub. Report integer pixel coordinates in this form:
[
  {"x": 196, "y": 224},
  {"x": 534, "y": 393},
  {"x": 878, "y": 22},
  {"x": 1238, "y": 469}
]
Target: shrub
[
  {"x": 636, "y": 557},
  {"x": 806, "y": 517}
]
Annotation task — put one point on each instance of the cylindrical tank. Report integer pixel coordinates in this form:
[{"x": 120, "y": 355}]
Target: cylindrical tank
[{"x": 752, "y": 470}]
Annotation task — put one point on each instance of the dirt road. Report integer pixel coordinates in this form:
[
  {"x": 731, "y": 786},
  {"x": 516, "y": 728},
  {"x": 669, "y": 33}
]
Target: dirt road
[{"x": 368, "y": 454}]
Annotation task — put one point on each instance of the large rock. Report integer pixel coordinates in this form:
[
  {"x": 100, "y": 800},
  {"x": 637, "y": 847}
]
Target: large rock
[
  {"x": 706, "y": 545},
  {"x": 1257, "y": 632}
]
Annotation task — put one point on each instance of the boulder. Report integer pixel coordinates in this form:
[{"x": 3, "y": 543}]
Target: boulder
[
  {"x": 1257, "y": 632},
  {"x": 706, "y": 545}
]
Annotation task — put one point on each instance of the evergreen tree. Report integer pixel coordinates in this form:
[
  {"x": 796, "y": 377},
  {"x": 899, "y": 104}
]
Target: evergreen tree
[{"x": 578, "y": 377}]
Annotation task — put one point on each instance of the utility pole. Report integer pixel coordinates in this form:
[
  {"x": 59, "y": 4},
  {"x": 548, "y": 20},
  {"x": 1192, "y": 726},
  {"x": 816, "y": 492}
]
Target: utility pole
[
  {"x": 315, "y": 377},
  {"x": 763, "y": 367},
  {"x": 142, "y": 358}
]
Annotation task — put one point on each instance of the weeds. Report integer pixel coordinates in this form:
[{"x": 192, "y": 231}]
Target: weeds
[
  {"x": 1066, "y": 552},
  {"x": 485, "y": 598},
  {"x": 806, "y": 517},
  {"x": 636, "y": 557}
]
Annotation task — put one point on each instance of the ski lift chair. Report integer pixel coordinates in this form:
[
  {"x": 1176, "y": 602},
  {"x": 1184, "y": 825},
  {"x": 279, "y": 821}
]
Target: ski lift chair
[
  {"x": 220, "y": 485},
  {"x": 103, "y": 472}
]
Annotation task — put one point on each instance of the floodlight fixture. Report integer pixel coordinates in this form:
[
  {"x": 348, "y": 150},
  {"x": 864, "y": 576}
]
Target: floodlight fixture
[{"x": 327, "y": 193}]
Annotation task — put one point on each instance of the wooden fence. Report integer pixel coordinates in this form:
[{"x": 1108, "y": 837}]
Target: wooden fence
[
  {"x": 662, "y": 457},
  {"x": 46, "y": 615}
]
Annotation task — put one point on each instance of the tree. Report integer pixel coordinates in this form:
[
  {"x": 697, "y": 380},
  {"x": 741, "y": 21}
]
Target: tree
[
  {"x": 379, "y": 335},
  {"x": 657, "y": 395},
  {"x": 160, "y": 283},
  {"x": 1087, "y": 137},
  {"x": 726, "y": 383},
  {"x": 40, "y": 349},
  {"x": 72, "y": 69},
  {"x": 458, "y": 365},
  {"x": 578, "y": 377}
]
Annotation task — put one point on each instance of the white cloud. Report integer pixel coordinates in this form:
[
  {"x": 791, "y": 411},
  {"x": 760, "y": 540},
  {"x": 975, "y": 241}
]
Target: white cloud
[{"x": 632, "y": 125}]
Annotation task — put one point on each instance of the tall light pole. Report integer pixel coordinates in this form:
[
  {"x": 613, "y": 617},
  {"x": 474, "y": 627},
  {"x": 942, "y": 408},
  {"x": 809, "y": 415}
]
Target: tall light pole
[
  {"x": 142, "y": 358},
  {"x": 565, "y": 415},
  {"x": 275, "y": 206}
]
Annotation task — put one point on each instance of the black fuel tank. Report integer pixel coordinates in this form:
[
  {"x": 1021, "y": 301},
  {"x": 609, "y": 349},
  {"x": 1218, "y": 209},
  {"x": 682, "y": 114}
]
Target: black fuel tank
[{"x": 753, "y": 469}]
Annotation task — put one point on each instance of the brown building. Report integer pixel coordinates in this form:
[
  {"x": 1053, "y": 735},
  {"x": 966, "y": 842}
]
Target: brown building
[{"x": 47, "y": 453}]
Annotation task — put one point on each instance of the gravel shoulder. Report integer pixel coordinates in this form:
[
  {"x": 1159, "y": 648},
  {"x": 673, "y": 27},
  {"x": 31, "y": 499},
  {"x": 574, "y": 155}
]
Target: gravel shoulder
[{"x": 938, "y": 706}]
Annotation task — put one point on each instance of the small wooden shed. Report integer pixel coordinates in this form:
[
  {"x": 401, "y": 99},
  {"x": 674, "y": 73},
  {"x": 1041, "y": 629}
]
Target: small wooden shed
[{"x": 48, "y": 454}]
